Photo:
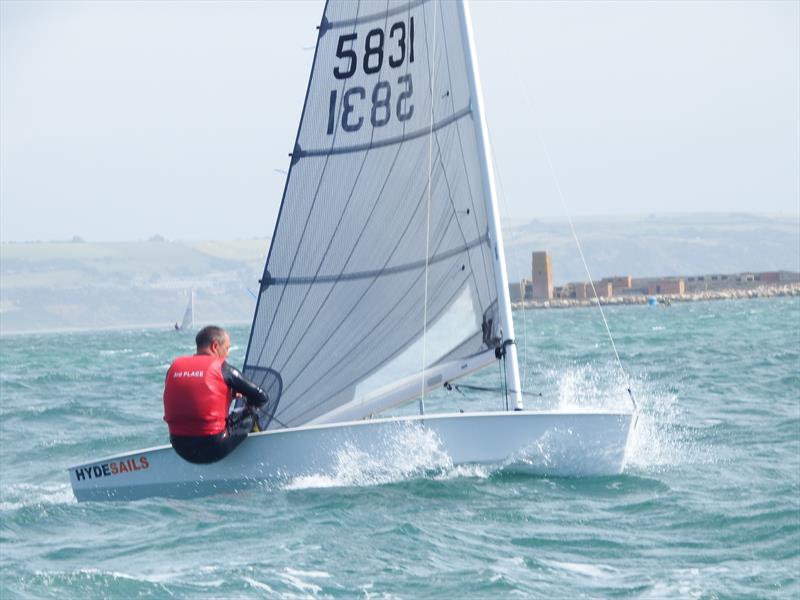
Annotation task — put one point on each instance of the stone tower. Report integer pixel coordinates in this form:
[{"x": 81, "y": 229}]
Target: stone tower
[{"x": 542, "y": 276}]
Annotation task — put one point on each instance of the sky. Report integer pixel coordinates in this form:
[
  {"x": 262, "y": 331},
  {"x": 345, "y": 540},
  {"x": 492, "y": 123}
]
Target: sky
[{"x": 122, "y": 120}]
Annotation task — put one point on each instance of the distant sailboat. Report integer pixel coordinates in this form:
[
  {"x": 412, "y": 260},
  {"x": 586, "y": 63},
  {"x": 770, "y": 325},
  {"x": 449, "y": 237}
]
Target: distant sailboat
[
  {"x": 385, "y": 279},
  {"x": 187, "y": 323}
]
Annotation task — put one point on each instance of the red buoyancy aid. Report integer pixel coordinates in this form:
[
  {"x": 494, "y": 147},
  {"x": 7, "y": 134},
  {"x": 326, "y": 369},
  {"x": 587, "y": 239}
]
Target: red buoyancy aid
[{"x": 196, "y": 397}]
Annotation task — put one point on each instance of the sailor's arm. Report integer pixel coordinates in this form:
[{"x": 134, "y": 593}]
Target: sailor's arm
[{"x": 239, "y": 383}]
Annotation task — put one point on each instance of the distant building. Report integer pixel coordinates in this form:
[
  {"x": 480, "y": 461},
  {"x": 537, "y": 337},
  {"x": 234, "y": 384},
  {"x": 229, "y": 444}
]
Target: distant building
[
  {"x": 604, "y": 289},
  {"x": 542, "y": 276},
  {"x": 564, "y": 292},
  {"x": 541, "y": 287},
  {"x": 619, "y": 283},
  {"x": 769, "y": 277},
  {"x": 521, "y": 290},
  {"x": 746, "y": 280},
  {"x": 666, "y": 286},
  {"x": 582, "y": 290},
  {"x": 526, "y": 286}
]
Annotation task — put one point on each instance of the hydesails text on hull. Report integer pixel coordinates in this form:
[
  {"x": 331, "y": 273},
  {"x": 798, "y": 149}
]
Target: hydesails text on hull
[{"x": 385, "y": 278}]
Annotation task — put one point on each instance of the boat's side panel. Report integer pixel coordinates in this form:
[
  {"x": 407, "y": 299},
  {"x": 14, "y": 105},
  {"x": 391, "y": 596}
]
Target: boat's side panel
[
  {"x": 544, "y": 443},
  {"x": 558, "y": 444}
]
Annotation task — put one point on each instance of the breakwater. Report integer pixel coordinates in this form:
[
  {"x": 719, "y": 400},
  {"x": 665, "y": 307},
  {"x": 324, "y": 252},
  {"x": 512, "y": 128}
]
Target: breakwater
[{"x": 763, "y": 291}]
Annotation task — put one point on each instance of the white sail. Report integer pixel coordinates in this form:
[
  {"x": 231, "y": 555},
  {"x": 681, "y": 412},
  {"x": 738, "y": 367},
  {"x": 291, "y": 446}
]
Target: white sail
[
  {"x": 187, "y": 323},
  {"x": 388, "y": 180}
]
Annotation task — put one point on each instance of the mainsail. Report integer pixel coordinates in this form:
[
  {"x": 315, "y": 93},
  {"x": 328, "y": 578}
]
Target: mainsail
[
  {"x": 187, "y": 323},
  {"x": 383, "y": 278}
]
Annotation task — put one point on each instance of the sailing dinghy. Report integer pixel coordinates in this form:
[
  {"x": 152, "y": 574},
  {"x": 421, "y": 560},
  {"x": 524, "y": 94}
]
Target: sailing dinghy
[
  {"x": 187, "y": 323},
  {"x": 385, "y": 279}
]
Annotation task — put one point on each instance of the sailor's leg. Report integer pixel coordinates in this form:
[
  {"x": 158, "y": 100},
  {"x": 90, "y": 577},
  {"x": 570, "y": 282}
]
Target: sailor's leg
[
  {"x": 235, "y": 434},
  {"x": 200, "y": 450}
]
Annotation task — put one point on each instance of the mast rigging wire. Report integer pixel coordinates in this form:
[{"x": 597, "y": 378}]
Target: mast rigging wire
[{"x": 622, "y": 371}]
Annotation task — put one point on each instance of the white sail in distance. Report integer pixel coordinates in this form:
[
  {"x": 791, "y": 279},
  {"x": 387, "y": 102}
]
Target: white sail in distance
[
  {"x": 187, "y": 323},
  {"x": 386, "y": 237}
]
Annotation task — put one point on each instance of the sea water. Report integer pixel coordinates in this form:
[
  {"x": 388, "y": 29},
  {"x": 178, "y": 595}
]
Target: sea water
[{"x": 708, "y": 505}]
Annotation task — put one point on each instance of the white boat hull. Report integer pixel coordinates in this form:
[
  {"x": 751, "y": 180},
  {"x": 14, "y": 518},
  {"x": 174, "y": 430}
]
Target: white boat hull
[{"x": 542, "y": 443}]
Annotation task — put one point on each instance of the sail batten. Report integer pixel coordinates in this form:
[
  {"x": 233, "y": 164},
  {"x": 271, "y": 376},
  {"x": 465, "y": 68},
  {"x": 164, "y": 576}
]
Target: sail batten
[
  {"x": 301, "y": 280},
  {"x": 375, "y": 16},
  {"x": 300, "y": 153},
  {"x": 342, "y": 310}
]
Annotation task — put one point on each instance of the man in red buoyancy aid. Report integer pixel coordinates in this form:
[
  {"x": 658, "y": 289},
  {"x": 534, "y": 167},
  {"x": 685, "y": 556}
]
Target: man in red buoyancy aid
[{"x": 197, "y": 395}]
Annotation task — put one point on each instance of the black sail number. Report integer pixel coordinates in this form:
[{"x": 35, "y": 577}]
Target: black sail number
[
  {"x": 373, "y": 49},
  {"x": 397, "y": 49},
  {"x": 401, "y": 44},
  {"x": 405, "y": 110},
  {"x": 381, "y": 107},
  {"x": 400, "y": 47},
  {"x": 349, "y": 107},
  {"x": 380, "y": 111},
  {"x": 349, "y": 54}
]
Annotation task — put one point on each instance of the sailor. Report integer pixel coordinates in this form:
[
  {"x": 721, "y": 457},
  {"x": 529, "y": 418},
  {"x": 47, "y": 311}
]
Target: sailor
[{"x": 197, "y": 395}]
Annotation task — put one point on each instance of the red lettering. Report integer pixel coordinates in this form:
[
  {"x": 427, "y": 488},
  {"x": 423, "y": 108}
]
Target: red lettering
[
  {"x": 123, "y": 468},
  {"x": 145, "y": 463},
  {"x": 114, "y": 469}
]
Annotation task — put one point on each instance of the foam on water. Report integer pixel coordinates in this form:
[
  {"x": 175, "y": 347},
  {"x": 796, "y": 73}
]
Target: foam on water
[
  {"x": 594, "y": 571},
  {"x": 661, "y": 438},
  {"x": 258, "y": 585},
  {"x": 590, "y": 387},
  {"x": 466, "y": 471},
  {"x": 21, "y": 495},
  {"x": 299, "y": 579},
  {"x": 115, "y": 352},
  {"x": 410, "y": 450}
]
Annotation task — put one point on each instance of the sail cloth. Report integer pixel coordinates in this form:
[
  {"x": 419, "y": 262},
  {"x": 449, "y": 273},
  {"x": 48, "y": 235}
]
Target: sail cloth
[
  {"x": 187, "y": 323},
  {"x": 385, "y": 178}
]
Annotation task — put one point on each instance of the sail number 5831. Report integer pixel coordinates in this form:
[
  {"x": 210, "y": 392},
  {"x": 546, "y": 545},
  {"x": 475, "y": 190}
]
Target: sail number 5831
[
  {"x": 372, "y": 61},
  {"x": 382, "y": 107}
]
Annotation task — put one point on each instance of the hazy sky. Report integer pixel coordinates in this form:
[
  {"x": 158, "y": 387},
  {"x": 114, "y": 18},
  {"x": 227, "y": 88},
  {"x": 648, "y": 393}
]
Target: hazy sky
[{"x": 125, "y": 119}]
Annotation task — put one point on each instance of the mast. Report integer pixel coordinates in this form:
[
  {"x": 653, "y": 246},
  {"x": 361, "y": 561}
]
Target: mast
[{"x": 495, "y": 232}]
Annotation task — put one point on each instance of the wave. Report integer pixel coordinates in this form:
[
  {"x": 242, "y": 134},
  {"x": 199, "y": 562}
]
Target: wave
[{"x": 24, "y": 495}]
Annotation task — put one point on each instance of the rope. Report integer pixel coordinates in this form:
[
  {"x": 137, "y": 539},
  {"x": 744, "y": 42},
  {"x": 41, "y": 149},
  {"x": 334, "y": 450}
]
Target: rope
[
  {"x": 432, "y": 73},
  {"x": 622, "y": 371},
  {"x": 482, "y": 388}
]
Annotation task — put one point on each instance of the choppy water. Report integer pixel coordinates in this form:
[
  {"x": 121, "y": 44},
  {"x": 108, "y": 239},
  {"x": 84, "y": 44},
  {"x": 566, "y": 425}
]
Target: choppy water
[{"x": 709, "y": 504}]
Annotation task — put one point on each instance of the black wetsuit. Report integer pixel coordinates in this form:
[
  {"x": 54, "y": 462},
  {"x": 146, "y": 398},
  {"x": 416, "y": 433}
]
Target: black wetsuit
[{"x": 211, "y": 448}]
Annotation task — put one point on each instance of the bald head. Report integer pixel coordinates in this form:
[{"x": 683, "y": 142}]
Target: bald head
[{"x": 213, "y": 340}]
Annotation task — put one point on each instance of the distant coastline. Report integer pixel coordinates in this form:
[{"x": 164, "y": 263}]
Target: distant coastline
[
  {"x": 166, "y": 327},
  {"x": 76, "y": 286},
  {"x": 764, "y": 291}
]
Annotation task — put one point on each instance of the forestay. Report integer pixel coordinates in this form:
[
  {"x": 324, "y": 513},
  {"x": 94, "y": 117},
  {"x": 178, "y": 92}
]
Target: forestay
[{"x": 385, "y": 178}]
